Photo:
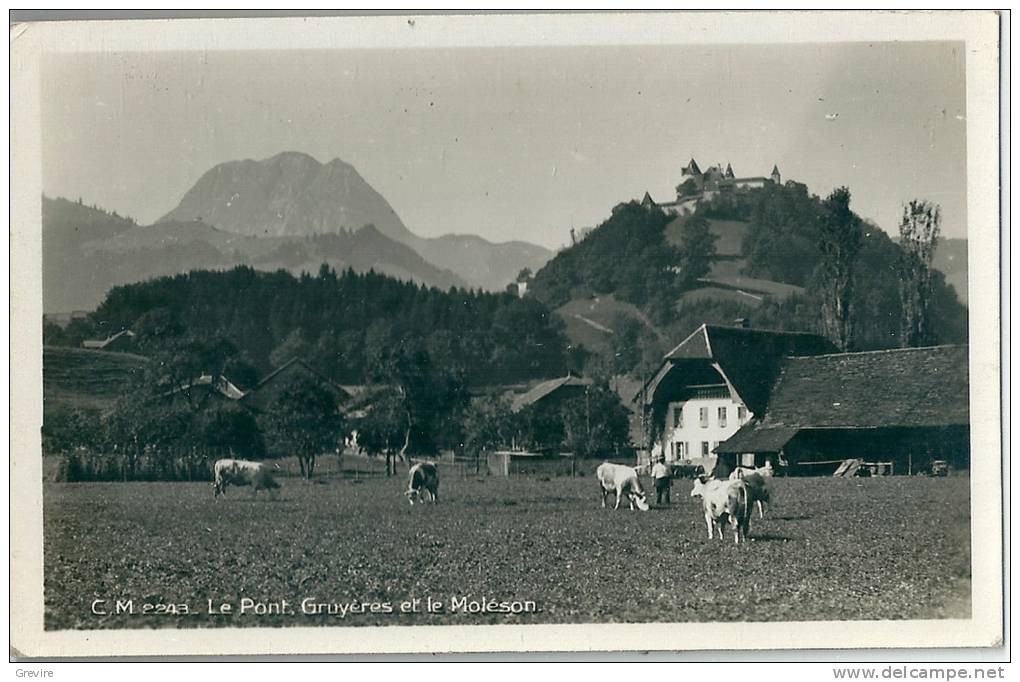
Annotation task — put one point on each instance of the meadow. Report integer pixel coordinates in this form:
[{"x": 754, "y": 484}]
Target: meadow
[{"x": 827, "y": 549}]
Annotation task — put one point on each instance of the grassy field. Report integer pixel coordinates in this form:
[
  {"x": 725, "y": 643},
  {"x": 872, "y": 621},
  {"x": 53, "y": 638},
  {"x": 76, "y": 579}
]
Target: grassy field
[{"x": 882, "y": 548}]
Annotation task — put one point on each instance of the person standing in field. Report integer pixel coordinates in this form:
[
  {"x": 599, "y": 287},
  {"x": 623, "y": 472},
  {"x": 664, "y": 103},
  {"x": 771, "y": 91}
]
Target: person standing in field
[{"x": 663, "y": 480}]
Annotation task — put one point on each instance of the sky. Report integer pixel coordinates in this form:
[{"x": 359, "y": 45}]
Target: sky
[{"x": 517, "y": 142}]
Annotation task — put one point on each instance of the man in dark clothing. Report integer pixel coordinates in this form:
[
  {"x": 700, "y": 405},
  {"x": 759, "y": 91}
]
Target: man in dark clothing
[{"x": 663, "y": 480}]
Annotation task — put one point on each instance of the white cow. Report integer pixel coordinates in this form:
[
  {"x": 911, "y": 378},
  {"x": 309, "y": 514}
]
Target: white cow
[
  {"x": 757, "y": 482},
  {"x": 623, "y": 480},
  {"x": 423, "y": 476},
  {"x": 724, "y": 502},
  {"x": 240, "y": 472}
]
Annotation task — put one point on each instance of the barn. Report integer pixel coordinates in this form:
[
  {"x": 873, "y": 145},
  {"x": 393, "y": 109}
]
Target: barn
[{"x": 901, "y": 408}]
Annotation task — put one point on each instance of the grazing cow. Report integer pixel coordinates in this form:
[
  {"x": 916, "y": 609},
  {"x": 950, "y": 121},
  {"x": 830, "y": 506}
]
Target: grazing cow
[
  {"x": 423, "y": 476},
  {"x": 757, "y": 484},
  {"x": 725, "y": 502},
  {"x": 623, "y": 480},
  {"x": 240, "y": 472}
]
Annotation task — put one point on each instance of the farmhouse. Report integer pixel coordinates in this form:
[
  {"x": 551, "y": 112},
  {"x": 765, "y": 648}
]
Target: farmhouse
[
  {"x": 201, "y": 388},
  {"x": 907, "y": 407},
  {"x": 697, "y": 186},
  {"x": 710, "y": 385}
]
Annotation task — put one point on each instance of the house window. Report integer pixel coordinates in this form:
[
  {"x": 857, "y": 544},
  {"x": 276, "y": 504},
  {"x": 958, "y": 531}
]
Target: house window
[
  {"x": 722, "y": 416},
  {"x": 704, "y": 448},
  {"x": 674, "y": 450},
  {"x": 703, "y": 416},
  {"x": 741, "y": 413},
  {"x": 681, "y": 449},
  {"x": 678, "y": 417}
]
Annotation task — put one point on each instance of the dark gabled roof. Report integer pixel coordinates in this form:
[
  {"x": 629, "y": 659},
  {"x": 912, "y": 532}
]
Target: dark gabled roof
[
  {"x": 544, "y": 389},
  {"x": 901, "y": 388},
  {"x": 692, "y": 167},
  {"x": 647, "y": 201},
  {"x": 775, "y": 169},
  {"x": 749, "y": 358},
  {"x": 291, "y": 365},
  {"x": 729, "y": 171}
]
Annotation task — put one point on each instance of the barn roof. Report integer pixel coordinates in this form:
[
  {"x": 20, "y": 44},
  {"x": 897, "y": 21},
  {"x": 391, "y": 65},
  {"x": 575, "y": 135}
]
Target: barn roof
[
  {"x": 546, "y": 388},
  {"x": 749, "y": 358},
  {"x": 219, "y": 384},
  {"x": 99, "y": 344},
  {"x": 907, "y": 387},
  {"x": 297, "y": 364}
]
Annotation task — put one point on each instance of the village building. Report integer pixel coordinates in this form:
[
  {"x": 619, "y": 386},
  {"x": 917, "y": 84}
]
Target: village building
[
  {"x": 713, "y": 383},
  {"x": 268, "y": 391},
  {"x": 200, "y": 389},
  {"x": 899, "y": 410},
  {"x": 122, "y": 340},
  {"x": 696, "y": 186},
  {"x": 551, "y": 394}
]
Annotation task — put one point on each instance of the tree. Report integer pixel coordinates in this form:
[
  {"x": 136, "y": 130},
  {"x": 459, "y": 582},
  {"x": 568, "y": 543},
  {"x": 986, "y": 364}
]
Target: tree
[
  {"x": 384, "y": 427},
  {"x": 697, "y": 249},
  {"x": 305, "y": 419},
  {"x": 919, "y": 236},
  {"x": 841, "y": 238},
  {"x": 596, "y": 424},
  {"x": 489, "y": 424}
]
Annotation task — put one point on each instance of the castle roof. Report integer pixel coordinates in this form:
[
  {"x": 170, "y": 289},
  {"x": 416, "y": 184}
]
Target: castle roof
[
  {"x": 692, "y": 168},
  {"x": 729, "y": 171},
  {"x": 775, "y": 170}
]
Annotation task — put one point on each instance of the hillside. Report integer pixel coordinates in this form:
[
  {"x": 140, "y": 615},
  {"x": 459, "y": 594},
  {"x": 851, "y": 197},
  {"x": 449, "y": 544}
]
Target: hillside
[
  {"x": 76, "y": 378},
  {"x": 86, "y": 252},
  {"x": 590, "y": 322},
  {"x": 761, "y": 262},
  {"x": 293, "y": 195}
]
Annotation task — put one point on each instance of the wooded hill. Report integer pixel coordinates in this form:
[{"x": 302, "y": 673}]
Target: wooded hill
[
  {"x": 340, "y": 323},
  {"x": 660, "y": 264}
]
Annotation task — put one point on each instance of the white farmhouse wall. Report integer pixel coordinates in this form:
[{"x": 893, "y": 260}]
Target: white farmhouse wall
[{"x": 693, "y": 432}]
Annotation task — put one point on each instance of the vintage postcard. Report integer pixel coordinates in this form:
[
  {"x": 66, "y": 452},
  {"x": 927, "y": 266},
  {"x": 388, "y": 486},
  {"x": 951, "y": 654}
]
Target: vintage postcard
[{"x": 506, "y": 333}]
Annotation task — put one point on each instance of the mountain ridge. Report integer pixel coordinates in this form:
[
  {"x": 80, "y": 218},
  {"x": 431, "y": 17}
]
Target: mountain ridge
[
  {"x": 87, "y": 251},
  {"x": 293, "y": 194}
]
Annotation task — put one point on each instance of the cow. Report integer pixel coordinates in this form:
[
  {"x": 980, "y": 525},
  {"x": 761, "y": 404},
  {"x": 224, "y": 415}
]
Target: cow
[
  {"x": 725, "y": 502},
  {"x": 757, "y": 484},
  {"x": 240, "y": 472},
  {"x": 688, "y": 470},
  {"x": 423, "y": 476},
  {"x": 623, "y": 480}
]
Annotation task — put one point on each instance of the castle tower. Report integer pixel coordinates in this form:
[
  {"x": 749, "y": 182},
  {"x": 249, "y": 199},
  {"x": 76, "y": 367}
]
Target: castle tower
[
  {"x": 691, "y": 169},
  {"x": 775, "y": 174}
]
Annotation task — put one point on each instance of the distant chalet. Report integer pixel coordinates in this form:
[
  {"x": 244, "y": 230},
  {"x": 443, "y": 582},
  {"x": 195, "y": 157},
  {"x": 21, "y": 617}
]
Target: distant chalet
[{"x": 698, "y": 186}]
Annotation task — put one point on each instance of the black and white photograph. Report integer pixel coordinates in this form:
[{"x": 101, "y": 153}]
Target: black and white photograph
[{"x": 653, "y": 328}]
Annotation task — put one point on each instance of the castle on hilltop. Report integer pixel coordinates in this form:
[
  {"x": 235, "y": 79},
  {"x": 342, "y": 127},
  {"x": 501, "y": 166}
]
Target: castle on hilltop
[{"x": 698, "y": 185}]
